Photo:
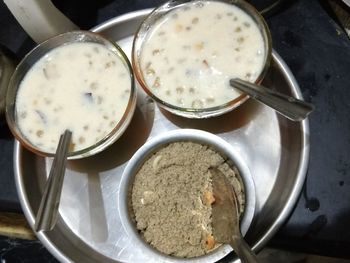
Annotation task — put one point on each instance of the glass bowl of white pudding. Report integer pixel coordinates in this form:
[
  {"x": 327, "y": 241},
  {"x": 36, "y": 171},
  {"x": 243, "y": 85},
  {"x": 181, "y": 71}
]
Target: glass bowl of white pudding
[
  {"x": 78, "y": 81},
  {"x": 185, "y": 52}
]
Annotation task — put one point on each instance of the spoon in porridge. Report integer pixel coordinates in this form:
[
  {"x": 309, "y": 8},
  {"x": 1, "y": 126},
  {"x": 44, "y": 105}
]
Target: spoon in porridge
[
  {"x": 226, "y": 217},
  {"x": 47, "y": 214},
  {"x": 290, "y": 107}
]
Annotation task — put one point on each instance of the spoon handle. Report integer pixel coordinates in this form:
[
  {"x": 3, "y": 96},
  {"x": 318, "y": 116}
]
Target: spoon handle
[
  {"x": 243, "y": 251},
  {"x": 292, "y": 108},
  {"x": 47, "y": 214}
]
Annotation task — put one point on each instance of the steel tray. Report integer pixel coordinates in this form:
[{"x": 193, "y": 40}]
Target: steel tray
[{"x": 89, "y": 227}]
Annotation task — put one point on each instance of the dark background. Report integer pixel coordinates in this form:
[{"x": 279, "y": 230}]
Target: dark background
[{"x": 317, "y": 50}]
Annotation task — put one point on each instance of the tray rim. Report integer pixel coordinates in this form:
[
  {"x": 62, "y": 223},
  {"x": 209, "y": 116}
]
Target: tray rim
[{"x": 274, "y": 227}]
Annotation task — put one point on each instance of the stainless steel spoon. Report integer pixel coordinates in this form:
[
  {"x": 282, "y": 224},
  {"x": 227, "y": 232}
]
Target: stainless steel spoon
[
  {"x": 47, "y": 214},
  {"x": 225, "y": 217},
  {"x": 292, "y": 108}
]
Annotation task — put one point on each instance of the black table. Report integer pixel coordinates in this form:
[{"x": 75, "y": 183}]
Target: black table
[{"x": 318, "y": 53}]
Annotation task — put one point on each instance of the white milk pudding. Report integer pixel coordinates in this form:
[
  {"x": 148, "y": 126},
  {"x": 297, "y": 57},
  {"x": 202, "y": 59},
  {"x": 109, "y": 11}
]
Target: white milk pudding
[
  {"x": 83, "y": 87},
  {"x": 191, "y": 53}
]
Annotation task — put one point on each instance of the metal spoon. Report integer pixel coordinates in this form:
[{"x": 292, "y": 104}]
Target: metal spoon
[
  {"x": 47, "y": 214},
  {"x": 292, "y": 108},
  {"x": 225, "y": 217}
]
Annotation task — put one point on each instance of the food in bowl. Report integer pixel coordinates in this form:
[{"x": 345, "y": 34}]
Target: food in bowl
[
  {"x": 232, "y": 158},
  {"x": 82, "y": 85},
  {"x": 172, "y": 197},
  {"x": 185, "y": 57}
]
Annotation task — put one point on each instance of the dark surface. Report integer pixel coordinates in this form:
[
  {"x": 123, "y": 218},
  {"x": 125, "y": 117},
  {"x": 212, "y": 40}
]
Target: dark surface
[
  {"x": 23, "y": 251},
  {"x": 318, "y": 53}
]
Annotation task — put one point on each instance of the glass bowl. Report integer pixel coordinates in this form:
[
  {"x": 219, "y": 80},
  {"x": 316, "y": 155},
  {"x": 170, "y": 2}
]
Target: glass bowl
[
  {"x": 145, "y": 152},
  {"x": 39, "y": 52},
  {"x": 140, "y": 70}
]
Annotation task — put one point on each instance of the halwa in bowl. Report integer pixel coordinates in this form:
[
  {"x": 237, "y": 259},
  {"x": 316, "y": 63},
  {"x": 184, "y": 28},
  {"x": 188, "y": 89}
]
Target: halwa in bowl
[{"x": 166, "y": 195}]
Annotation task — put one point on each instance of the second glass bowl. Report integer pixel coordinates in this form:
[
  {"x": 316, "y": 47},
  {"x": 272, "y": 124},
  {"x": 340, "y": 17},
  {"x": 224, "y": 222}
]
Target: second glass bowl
[{"x": 149, "y": 27}]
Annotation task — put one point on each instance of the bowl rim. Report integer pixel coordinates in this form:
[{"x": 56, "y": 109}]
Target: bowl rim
[
  {"x": 154, "y": 144},
  {"x": 194, "y": 112},
  {"x": 76, "y": 36}
]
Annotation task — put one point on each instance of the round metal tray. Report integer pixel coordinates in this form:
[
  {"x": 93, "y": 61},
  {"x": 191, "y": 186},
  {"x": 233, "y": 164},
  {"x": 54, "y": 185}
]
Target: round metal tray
[{"x": 89, "y": 228}]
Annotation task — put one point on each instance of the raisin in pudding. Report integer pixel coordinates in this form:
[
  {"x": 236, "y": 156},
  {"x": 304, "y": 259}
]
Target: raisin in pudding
[
  {"x": 83, "y": 86},
  {"x": 189, "y": 54}
]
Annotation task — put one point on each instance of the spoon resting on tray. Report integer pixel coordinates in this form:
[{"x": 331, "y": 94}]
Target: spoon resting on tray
[
  {"x": 290, "y": 107},
  {"x": 225, "y": 217},
  {"x": 47, "y": 214}
]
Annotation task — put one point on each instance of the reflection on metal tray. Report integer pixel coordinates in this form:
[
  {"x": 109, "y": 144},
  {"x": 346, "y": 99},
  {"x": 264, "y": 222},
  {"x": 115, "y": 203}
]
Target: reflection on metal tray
[{"x": 89, "y": 229}]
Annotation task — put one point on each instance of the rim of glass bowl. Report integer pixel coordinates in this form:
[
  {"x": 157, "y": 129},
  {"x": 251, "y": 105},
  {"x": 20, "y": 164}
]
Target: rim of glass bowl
[
  {"x": 159, "y": 12},
  {"x": 79, "y": 36}
]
